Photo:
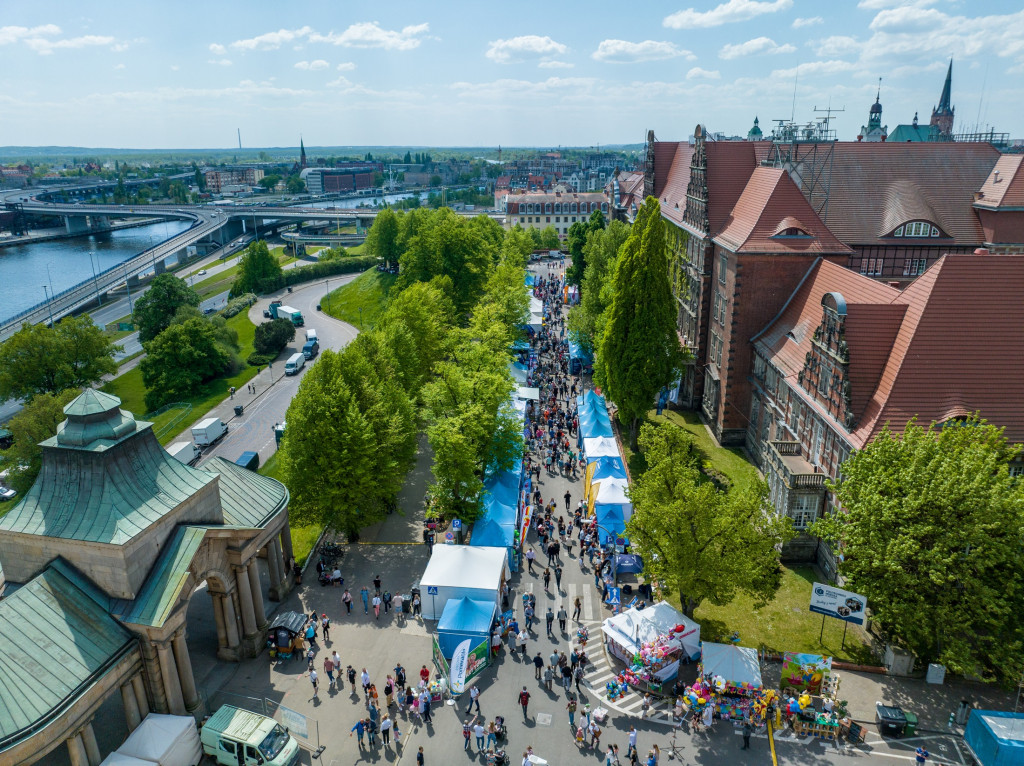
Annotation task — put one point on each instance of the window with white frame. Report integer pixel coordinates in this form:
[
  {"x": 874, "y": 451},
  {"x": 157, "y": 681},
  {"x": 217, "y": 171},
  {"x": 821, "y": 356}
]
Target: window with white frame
[
  {"x": 803, "y": 510},
  {"x": 913, "y": 267}
]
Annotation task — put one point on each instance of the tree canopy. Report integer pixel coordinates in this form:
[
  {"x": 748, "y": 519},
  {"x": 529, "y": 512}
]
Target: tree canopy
[
  {"x": 39, "y": 359},
  {"x": 639, "y": 351},
  {"x": 270, "y": 337},
  {"x": 256, "y": 266},
  {"x": 156, "y": 307},
  {"x": 35, "y": 422},
  {"x": 930, "y": 530},
  {"x": 382, "y": 241},
  {"x": 586, "y": 320},
  {"x": 180, "y": 359},
  {"x": 578, "y": 234},
  {"x": 705, "y": 544}
]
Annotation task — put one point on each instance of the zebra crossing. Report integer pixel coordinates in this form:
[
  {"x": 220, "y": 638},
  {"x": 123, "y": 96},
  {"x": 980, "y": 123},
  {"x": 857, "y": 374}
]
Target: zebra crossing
[{"x": 570, "y": 591}]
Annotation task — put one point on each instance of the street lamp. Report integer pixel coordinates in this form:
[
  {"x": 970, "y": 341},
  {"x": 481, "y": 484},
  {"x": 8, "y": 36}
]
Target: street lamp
[
  {"x": 49, "y": 305},
  {"x": 128, "y": 287},
  {"x": 95, "y": 281}
]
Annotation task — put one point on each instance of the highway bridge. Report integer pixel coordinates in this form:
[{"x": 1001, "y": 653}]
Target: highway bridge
[{"x": 213, "y": 226}]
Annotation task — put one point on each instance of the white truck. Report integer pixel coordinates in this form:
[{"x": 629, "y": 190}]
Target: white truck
[
  {"x": 295, "y": 363},
  {"x": 311, "y": 335},
  {"x": 208, "y": 431},
  {"x": 186, "y": 452}
]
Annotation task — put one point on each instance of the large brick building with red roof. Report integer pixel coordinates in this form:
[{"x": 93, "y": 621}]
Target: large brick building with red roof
[{"x": 818, "y": 312}]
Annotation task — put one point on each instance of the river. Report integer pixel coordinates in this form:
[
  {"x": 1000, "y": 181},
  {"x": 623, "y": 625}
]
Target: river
[{"x": 63, "y": 263}]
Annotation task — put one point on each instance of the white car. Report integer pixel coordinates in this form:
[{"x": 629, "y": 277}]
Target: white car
[
  {"x": 201, "y": 272},
  {"x": 6, "y": 493}
]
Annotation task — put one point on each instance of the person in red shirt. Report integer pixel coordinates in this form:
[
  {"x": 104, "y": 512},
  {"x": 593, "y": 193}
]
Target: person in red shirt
[{"x": 424, "y": 675}]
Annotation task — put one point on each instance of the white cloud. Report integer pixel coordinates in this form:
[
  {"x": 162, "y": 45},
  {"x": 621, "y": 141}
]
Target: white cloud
[
  {"x": 555, "y": 64},
  {"x": 341, "y": 82},
  {"x": 45, "y": 46},
  {"x": 217, "y": 49},
  {"x": 703, "y": 74},
  {"x": 625, "y": 52},
  {"x": 502, "y": 90},
  {"x": 753, "y": 47},
  {"x": 175, "y": 67},
  {"x": 220, "y": 62},
  {"x": 312, "y": 66},
  {"x": 878, "y": 5},
  {"x": 836, "y": 45},
  {"x": 10, "y": 35},
  {"x": 799, "y": 23},
  {"x": 516, "y": 48},
  {"x": 371, "y": 35},
  {"x": 726, "y": 13},
  {"x": 346, "y": 66},
  {"x": 814, "y": 67},
  {"x": 119, "y": 66},
  {"x": 271, "y": 40}
]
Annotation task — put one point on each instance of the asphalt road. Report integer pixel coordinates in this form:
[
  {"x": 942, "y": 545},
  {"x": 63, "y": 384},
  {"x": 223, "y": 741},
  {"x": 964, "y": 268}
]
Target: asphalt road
[{"x": 253, "y": 430}]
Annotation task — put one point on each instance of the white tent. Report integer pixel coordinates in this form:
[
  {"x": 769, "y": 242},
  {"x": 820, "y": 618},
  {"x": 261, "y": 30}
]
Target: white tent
[
  {"x": 523, "y": 392},
  {"x": 116, "y": 759},
  {"x": 165, "y": 739},
  {"x": 627, "y": 631},
  {"x": 736, "y": 664},
  {"x": 519, "y": 373},
  {"x": 536, "y": 313},
  {"x": 612, "y": 492},
  {"x": 600, "y": 446},
  {"x": 457, "y": 571}
]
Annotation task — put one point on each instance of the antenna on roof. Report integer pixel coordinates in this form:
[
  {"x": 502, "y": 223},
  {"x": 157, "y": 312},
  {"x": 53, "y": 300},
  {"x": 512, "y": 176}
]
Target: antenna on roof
[
  {"x": 796, "y": 79},
  {"x": 239, "y": 138}
]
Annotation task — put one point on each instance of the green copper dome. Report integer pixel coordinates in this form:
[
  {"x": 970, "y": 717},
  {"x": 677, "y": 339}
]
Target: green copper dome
[{"x": 94, "y": 416}]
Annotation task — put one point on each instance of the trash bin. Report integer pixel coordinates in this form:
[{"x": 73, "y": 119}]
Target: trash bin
[
  {"x": 406, "y": 603},
  {"x": 238, "y": 409},
  {"x": 910, "y": 729},
  {"x": 891, "y": 719}
]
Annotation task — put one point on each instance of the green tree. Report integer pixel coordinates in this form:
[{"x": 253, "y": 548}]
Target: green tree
[
  {"x": 427, "y": 314},
  {"x": 931, "y": 532},
  {"x": 639, "y": 351},
  {"x": 587, "y": 319},
  {"x": 549, "y": 239},
  {"x": 382, "y": 239},
  {"x": 577, "y": 241},
  {"x": 702, "y": 543},
  {"x": 270, "y": 181},
  {"x": 435, "y": 180},
  {"x": 180, "y": 359},
  {"x": 155, "y": 309},
  {"x": 407, "y": 160},
  {"x": 295, "y": 184},
  {"x": 39, "y": 359},
  {"x": 256, "y": 267},
  {"x": 270, "y": 337},
  {"x": 35, "y": 422}
]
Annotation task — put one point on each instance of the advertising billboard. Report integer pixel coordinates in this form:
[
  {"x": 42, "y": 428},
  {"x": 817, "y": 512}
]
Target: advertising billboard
[{"x": 836, "y": 602}]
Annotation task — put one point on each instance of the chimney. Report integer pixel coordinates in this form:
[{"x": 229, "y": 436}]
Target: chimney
[
  {"x": 995, "y": 177},
  {"x": 981, "y": 251}
]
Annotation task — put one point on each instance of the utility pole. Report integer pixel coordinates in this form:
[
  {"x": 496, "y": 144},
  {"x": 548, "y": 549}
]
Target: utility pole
[
  {"x": 128, "y": 287},
  {"x": 49, "y": 304}
]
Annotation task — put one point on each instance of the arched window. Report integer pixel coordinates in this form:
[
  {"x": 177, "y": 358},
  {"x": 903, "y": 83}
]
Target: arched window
[
  {"x": 574, "y": 207},
  {"x": 547, "y": 208},
  {"x": 918, "y": 229}
]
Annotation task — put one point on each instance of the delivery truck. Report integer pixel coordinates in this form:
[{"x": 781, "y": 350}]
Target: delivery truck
[
  {"x": 186, "y": 452},
  {"x": 295, "y": 363},
  {"x": 278, "y": 310},
  {"x": 236, "y": 737},
  {"x": 209, "y": 431}
]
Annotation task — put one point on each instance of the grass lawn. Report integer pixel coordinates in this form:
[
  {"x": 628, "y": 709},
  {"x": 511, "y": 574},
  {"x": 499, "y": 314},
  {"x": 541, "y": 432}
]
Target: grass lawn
[
  {"x": 356, "y": 249},
  {"x": 113, "y": 333},
  {"x": 369, "y": 292},
  {"x": 303, "y": 537},
  {"x": 223, "y": 280},
  {"x": 784, "y": 625},
  {"x": 132, "y": 392}
]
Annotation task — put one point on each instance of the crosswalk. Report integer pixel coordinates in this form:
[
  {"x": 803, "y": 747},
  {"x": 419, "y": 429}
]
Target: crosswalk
[{"x": 566, "y": 597}]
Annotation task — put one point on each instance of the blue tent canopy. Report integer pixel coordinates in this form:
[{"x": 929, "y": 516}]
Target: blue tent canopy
[
  {"x": 461, "y": 619},
  {"x": 593, "y": 415},
  {"x": 609, "y": 468},
  {"x": 520, "y": 345},
  {"x": 612, "y": 518},
  {"x": 628, "y": 563},
  {"x": 530, "y": 279},
  {"x": 493, "y": 534}
]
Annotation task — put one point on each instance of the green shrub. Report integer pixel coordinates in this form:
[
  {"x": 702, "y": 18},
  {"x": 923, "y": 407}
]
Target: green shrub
[
  {"x": 259, "y": 360},
  {"x": 239, "y": 304},
  {"x": 317, "y": 271}
]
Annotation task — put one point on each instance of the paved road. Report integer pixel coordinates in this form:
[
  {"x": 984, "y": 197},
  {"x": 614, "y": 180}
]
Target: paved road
[{"x": 253, "y": 430}]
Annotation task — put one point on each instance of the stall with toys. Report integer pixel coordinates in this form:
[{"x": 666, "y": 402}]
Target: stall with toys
[
  {"x": 810, "y": 689},
  {"x": 733, "y": 674},
  {"x": 651, "y": 643}
]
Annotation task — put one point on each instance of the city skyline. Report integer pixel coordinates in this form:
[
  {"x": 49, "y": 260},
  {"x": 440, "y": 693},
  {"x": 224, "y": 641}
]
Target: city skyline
[{"x": 538, "y": 75}]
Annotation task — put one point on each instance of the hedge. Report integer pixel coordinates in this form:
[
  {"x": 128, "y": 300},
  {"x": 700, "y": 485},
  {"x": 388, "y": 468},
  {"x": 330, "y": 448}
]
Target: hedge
[
  {"x": 317, "y": 271},
  {"x": 239, "y": 304}
]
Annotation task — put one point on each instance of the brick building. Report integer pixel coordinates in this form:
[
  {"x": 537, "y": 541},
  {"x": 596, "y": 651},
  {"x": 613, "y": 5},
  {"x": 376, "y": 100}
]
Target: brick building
[
  {"x": 558, "y": 209},
  {"x": 218, "y": 179}
]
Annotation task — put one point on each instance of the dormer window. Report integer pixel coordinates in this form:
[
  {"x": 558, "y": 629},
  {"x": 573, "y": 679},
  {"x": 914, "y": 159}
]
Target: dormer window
[
  {"x": 917, "y": 229},
  {"x": 792, "y": 232},
  {"x": 791, "y": 227}
]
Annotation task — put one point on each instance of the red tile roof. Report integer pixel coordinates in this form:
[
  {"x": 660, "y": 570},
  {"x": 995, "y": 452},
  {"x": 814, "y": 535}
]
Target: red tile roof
[
  {"x": 1004, "y": 187},
  {"x": 673, "y": 180},
  {"x": 943, "y": 348},
  {"x": 730, "y": 164},
  {"x": 768, "y": 204},
  {"x": 664, "y": 162}
]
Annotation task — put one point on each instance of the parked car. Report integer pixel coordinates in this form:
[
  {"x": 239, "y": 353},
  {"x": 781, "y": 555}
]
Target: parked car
[
  {"x": 201, "y": 272},
  {"x": 6, "y": 493}
]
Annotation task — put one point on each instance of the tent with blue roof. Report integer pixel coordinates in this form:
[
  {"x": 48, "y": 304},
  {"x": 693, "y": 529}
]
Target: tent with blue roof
[
  {"x": 461, "y": 619},
  {"x": 607, "y": 468},
  {"x": 500, "y": 500},
  {"x": 593, "y": 415},
  {"x": 612, "y": 518},
  {"x": 580, "y": 360}
]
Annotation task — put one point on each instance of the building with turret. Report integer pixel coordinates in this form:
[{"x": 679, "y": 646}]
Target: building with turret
[
  {"x": 755, "y": 134},
  {"x": 940, "y": 128},
  {"x": 874, "y": 131}
]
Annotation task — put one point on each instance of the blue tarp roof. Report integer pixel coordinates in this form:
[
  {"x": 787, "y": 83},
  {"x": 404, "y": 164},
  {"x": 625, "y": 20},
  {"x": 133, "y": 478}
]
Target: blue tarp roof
[
  {"x": 996, "y": 737},
  {"x": 461, "y": 619},
  {"x": 520, "y": 345},
  {"x": 593, "y": 415},
  {"x": 576, "y": 351},
  {"x": 493, "y": 534},
  {"x": 496, "y": 528},
  {"x": 530, "y": 279},
  {"x": 628, "y": 563},
  {"x": 613, "y": 517},
  {"x": 609, "y": 468}
]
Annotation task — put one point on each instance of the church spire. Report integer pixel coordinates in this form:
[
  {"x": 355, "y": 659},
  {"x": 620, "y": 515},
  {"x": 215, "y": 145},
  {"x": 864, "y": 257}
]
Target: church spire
[
  {"x": 944, "y": 99},
  {"x": 302, "y": 154},
  {"x": 943, "y": 114}
]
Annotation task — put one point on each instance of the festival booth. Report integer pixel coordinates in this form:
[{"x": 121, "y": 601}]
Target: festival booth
[
  {"x": 497, "y": 527},
  {"x": 650, "y": 642},
  {"x": 519, "y": 372},
  {"x": 810, "y": 689},
  {"x": 732, "y": 674},
  {"x": 536, "y": 314},
  {"x": 464, "y": 618},
  {"x": 593, "y": 416},
  {"x": 458, "y": 571},
  {"x": 581, "y": 361},
  {"x": 595, "y": 447}
]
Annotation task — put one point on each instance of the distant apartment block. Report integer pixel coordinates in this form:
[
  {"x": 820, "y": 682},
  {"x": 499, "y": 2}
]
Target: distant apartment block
[
  {"x": 217, "y": 180},
  {"x": 558, "y": 209}
]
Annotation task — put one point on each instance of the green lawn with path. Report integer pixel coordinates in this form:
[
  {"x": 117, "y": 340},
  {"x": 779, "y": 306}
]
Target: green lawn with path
[
  {"x": 368, "y": 292},
  {"x": 130, "y": 389}
]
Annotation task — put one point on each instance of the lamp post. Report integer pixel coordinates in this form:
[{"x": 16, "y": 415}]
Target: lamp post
[
  {"x": 95, "y": 281},
  {"x": 128, "y": 287},
  {"x": 49, "y": 304}
]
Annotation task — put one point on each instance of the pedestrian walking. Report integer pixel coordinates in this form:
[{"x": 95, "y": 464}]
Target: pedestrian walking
[
  {"x": 315, "y": 681},
  {"x": 416, "y": 605},
  {"x": 645, "y": 705},
  {"x": 566, "y": 677},
  {"x": 548, "y": 677},
  {"x": 562, "y": 617},
  {"x": 389, "y": 691},
  {"x": 547, "y": 576},
  {"x": 325, "y": 626},
  {"x": 549, "y": 618},
  {"x": 474, "y": 699},
  {"x": 538, "y": 665},
  {"x": 351, "y": 671},
  {"x": 385, "y": 730},
  {"x": 578, "y": 677},
  {"x": 748, "y": 729},
  {"x": 399, "y": 675},
  {"x": 921, "y": 755},
  {"x": 376, "y": 585},
  {"x": 364, "y": 678},
  {"x": 571, "y": 707},
  {"x": 530, "y": 556},
  {"x": 577, "y": 606},
  {"x": 376, "y": 607},
  {"x": 329, "y": 671},
  {"x": 568, "y": 499},
  {"x": 360, "y": 730},
  {"x": 631, "y": 751},
  {"x": 386, "y": 601},
  {"x": 419, "y": 757},
  {"x": 364, "y": 593},
  {"x": 558, "y": 577},
  {"x": 371, "y": 731},
  {"x": 425, "y": 707},
  {"x": 346, "y": 599},
  {"x": 524, "y": 701}
]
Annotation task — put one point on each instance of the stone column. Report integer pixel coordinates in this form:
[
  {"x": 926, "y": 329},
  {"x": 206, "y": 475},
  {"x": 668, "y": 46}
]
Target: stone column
[
  {"x": 140, "y": 695},
  {"x": 131, "y": 706},
  {"x": 76, "y": 749},
  {"x": 218, "y": 616},
  {"x": 274, "y": 560},
  {"x": 92, "y": 748},
  {"x": 286, "y": 541},
  {"x": 185, "y": 677},
  {"x": 230, "y": 622},
  {"x": 245, "y": 601},
  {"x": 172, "y": 686},
  {"x": 257, "y": 593}
]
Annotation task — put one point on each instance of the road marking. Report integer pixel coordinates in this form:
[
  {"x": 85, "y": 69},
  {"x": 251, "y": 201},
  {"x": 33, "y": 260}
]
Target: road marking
[
  {"x": 588, "y": 604},
  {"x": 771, "y": 743}
]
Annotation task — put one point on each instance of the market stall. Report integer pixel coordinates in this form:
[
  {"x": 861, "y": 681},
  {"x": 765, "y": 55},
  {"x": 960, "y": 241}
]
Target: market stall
[
  {"x": 805, "y": 673},
  {"x": 457, "y": 571},
  {"x": 733, "y": 674},
  {"x": 593, "y": 416},
  {"x": 464, "y": 618},
  {"x": 996, "y": 737},
  {"x": 600, "y": 446},
  {"x": 581, "y": 361},
  {"x": 651, "y": 642}
]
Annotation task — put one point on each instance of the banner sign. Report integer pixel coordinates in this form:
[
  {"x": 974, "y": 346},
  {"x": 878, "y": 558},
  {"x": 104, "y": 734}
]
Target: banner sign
[
  {"x": 439, "y": 661},
  {"x": 838, "y": 603},
  {"x": 805, "y": 672},
  {"x": 477, "y": 661},
  {"x": 459, "y": 661}
]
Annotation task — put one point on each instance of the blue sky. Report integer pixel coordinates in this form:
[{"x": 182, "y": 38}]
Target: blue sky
[{"x": 519, "y": 73}]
